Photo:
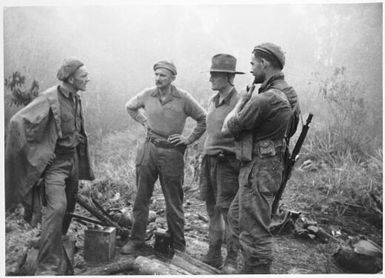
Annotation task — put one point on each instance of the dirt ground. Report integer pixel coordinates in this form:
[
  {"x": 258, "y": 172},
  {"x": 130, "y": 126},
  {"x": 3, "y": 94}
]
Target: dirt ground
[{"x": 292, "y": 254}]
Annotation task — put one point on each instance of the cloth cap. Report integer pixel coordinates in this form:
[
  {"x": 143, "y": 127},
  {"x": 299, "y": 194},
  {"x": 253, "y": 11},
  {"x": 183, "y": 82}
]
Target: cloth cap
[
  {"x": 224, "y": 63},
  {"x": 69, "y": 66},
  {"x": 166, "y": 64},
  {"x": 273, "y": 50}
]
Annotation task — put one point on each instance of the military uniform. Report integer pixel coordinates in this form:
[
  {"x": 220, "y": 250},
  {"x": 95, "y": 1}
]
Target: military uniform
[
  {"x": 266, "y": 115},
  {"x": 157, "y": 157}
]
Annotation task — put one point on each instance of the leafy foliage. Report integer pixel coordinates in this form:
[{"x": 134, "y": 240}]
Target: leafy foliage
[
  {"x": 351, "y": 159},
  {"x": 348, "y": 126},
  {"x": 20, "y": 95}
]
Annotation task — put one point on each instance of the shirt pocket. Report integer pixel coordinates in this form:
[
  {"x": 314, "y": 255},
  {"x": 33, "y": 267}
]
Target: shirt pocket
[{"x": 68, "y": 123}]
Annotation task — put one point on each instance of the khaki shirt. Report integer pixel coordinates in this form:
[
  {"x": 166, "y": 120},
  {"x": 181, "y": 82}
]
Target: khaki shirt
[
  {"x": 167, "y": 117},
  {"x": 70, "y": 110},
  {"x": 266, "y": 115}
]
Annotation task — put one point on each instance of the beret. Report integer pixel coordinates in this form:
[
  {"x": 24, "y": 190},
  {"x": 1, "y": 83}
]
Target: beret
[
  {"x": 273, "y": 50},
  {"x": 69, "y": 66},
  {"x": 166, "y": 64}
]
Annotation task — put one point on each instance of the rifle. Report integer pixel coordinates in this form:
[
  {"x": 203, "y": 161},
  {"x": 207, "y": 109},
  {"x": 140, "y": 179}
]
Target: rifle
[
  {"x": 104, "y": 218},
  {"x": 290, "y": 164}
]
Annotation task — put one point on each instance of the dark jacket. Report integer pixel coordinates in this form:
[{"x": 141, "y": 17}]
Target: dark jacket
[{"x": 30, "y": 146}]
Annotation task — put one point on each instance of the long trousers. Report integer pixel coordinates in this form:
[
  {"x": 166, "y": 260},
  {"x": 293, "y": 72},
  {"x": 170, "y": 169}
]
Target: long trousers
[
  {"x": 250, "y": 212},
  {"x": 167, "y": 164},
  {"x": 61, "y": 187}
]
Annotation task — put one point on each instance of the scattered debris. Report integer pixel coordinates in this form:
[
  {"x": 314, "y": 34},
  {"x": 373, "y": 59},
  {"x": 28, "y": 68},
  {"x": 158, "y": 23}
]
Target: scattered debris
[
  {"x": 284, "y": 223},
  {"x": 359, "y": 255},
  {"x": 308, "y": 165},
  {"x": 203, "y": 218}
]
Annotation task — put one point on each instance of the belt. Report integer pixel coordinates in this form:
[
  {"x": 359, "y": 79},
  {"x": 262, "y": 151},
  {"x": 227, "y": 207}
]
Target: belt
[
  {"x": 223, "y": 154},
  {"x": 163, "y": 143},
  {"x": 64, "y": 150}
]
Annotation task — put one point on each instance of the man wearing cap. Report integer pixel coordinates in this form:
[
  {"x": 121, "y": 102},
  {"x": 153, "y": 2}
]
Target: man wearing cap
[
  {"x": 46, "y": 155},
  {"x": 165, "y": 109},
  {"x": 267, "y": 116},
  {"x": 220, "y": 168}
]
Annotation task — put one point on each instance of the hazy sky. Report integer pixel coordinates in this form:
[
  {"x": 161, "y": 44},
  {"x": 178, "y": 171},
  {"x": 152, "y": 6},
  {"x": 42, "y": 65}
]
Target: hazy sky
[{"x": 120, "y": 43}]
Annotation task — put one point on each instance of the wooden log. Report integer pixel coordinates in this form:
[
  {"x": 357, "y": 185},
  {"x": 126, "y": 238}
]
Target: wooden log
[
  {"x": 149, "y": 266},
  {"x": 123, "y": 265},
  {"x": 197, "y": 262},
  {"x": 188, "y": 266}
]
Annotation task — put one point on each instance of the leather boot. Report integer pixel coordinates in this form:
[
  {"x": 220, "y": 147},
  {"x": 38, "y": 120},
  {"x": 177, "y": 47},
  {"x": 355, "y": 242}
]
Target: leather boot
[
  {"x": 131, "y": 247},
  {"x": 230, "y": 266},
  {"x": 213, "y": 256}
]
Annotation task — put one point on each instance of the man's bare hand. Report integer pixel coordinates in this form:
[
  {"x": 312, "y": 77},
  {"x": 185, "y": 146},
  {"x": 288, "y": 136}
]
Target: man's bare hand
[{"x": 178, "y": 139}]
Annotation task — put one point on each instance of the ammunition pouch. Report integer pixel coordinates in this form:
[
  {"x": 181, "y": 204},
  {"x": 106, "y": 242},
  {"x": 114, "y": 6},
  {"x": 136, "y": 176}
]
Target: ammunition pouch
[{"x": 268, "y": 148}]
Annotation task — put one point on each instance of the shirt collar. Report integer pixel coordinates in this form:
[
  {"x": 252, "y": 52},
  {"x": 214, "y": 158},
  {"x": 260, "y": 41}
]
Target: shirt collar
[
  {"x": 174, "y": 92},
  {"x": 224, "y": 100},
  {"x": 270, "y": 82},
  {"x": 67, "y": 90}
]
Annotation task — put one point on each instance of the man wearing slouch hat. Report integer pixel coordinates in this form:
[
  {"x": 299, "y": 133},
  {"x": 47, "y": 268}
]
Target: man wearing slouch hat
[
  {"x": 270, "y": 116},
  {"x": 163, "y": 111},
  {"x": 46, "y": 155},
  {"x": 220, "y": 168}
]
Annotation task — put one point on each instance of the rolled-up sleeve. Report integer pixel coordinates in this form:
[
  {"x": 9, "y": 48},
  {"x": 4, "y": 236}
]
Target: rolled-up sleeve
[
  {"x": 248, "y": 117},
  {"x": 133, "y": 106},
  {"x": 194, "y": 110}
]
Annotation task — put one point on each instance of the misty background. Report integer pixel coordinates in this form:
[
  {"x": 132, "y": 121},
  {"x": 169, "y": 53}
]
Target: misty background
[{"x": 120, "y": 44}]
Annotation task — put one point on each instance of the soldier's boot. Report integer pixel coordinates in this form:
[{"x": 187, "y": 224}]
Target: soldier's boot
[
  {"x": 131, "y": 247},
  {"x": 213, "y": 256},
  {"x": 230, "y": 266},
  {"x": 258, "y": 269}
]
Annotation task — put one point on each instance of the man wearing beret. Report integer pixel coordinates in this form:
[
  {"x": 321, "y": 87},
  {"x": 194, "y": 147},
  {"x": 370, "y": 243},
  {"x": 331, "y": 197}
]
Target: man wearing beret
[
  {"x": 46, "y": 155},
  {"x": 163, "y": 111},
  {"x": 267, "y": 115},
  {"x": 220, "y": 168}
]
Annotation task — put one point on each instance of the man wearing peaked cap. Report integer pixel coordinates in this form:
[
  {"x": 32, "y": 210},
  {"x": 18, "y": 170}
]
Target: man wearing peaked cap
[
  {"x": 46, "y": 155},
  {"x": 270, "y": 117},
  {"x": 220, "y": 168},
  {"x": 163, "y": 111}
]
